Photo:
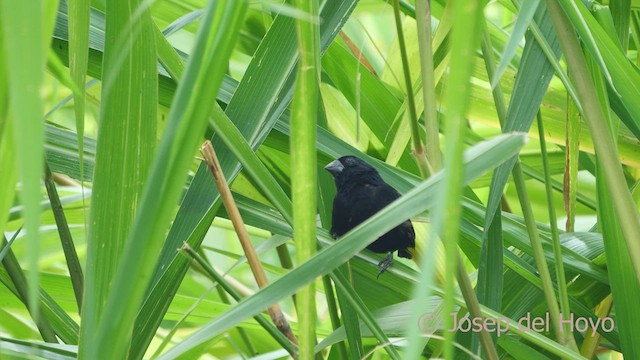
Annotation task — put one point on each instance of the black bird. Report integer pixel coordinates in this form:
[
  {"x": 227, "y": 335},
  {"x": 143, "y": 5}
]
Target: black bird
[{"x": 362, "y": 193}]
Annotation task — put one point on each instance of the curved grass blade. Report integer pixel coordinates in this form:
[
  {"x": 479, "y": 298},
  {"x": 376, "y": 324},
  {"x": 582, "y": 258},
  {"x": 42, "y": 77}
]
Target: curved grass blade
[
  {"x": 24, "y": 42},
  {"x": 525, "y": 15},
  {"x": 257, "y": 103},
  {"x": 187, "y": 120},
  {"x": 414, "y": 202},
  {"x": 126, "y": 140}
]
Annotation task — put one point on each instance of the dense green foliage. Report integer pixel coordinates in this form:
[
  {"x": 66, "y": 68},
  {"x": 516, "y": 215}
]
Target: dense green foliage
[{"x": 511, "y": 129}]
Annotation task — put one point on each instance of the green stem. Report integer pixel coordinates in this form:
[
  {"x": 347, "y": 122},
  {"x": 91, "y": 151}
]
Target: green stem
[
  {"x": 518, "y": 179},
  {"x": 463, "y": 41},
  {"x": 261, "y": 319},
  {"x": 565, "y": 309},
  {"x": 70, "y": 254},
  {"x": 418, "y": 148},
  {"x": 358, "y": 305},
  {"x": 608, "y": 156},
  {"x": 303, "y": 164},
  {"x": 538, "y": 252},
  {"x": 20, "y": 282},
  {"x": 332, "y": 307},
  {"x": 473, "y": 306},
  {"x": 423, "y": 20},
  {"x": 285, "y": 261}
]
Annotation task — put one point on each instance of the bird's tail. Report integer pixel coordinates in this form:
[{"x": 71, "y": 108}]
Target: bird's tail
[
  {"x": 410, "y": 253},
  {"x": 406, "y": 253}
]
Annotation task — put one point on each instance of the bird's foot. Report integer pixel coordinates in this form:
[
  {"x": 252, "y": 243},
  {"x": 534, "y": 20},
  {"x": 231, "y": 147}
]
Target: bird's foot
[{"x": 384, "y": 264}]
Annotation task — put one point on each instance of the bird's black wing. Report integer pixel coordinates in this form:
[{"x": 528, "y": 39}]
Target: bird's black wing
[
  {"x": 399, "y": 238},
  {"x": 359, "y": 203}
]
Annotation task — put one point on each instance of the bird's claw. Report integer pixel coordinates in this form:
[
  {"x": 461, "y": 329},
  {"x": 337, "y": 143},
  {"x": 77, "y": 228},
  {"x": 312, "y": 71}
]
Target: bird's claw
[{"x": 384, "y": 264}]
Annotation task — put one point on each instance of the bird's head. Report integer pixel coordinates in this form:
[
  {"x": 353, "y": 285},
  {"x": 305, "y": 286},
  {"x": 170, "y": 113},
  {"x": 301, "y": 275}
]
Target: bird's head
[{"x": 350, "y": 170}]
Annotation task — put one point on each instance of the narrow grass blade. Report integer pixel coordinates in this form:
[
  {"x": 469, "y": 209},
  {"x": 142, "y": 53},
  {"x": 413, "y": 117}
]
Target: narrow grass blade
[
  {"x": 125, "y": 146},
  {"x": 525, "y": 15},
  {"x": 257, "y": 102},
  {"x": 303, "y": 165},
  {"x": 525, "y": 99},
  {"x": 410, "y": 204},
  {"x": 24, "y": 38},
  {"x": 78, "y": 63},
  {"x": 187, "y": 120},
  {"x": 622, "y": 77}
]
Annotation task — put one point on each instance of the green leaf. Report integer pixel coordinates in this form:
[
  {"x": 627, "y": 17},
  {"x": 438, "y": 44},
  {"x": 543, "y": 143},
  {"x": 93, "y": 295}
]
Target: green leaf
[
  {"x": 623, "y": 78},
  {"x": 257, "y": 102},
  {"x": 525, "y": 15},
  {"x": 25, "y": 38},
  {"x": 187, "y": 120},
  {"x": 525, "y": 100},
  {"x": 125, "y": 148},
  {"x": 422, "y": 197}
]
